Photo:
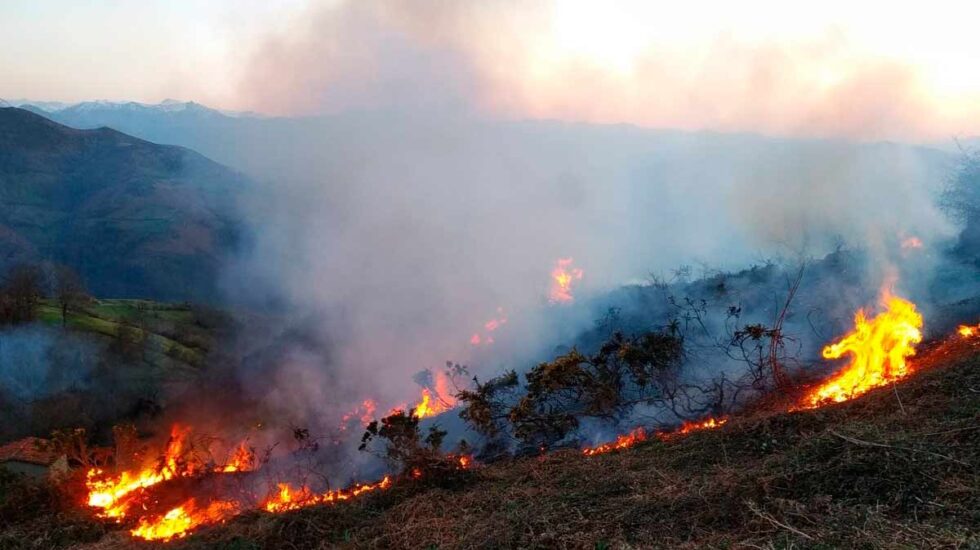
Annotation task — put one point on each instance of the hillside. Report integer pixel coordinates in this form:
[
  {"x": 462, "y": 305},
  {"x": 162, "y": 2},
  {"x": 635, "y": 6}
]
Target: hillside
[
  {"x": 175, "y": 338},
  {"x": 899, "y": 467},
  {"x": 135, "y": 219}
]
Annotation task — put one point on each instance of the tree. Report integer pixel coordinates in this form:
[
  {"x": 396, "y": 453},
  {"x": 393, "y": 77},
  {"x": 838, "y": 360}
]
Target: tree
[
  {"x": 20, "y": 294},
  {"x": 69, "y": 290}
]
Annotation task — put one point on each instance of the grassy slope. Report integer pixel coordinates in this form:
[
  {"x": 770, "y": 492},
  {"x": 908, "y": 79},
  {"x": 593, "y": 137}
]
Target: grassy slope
[
  {"x": 173, "y": 342},
  {"x": 897, "y": 468}
]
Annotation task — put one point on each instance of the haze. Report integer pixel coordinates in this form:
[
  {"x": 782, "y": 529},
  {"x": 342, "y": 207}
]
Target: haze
[{"x": 870, "y": 70}]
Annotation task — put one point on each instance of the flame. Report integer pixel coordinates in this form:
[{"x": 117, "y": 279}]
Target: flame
[
  {"x": 967, "y": 331},
  {"x": 106, "y": 492},
  {"x": 242, "y": 460},
  {"x": 709, "y": 424},
  {"x": 438, "y": 400},
  {"x": 179, "y": 521},
  {"x": 289, "y": 497},
  {"x": 878, "y": 349},
  {"x": 562, "y": 277},
  {"x": 639, "y": 434},
  {"x": 490, "y": 326},
  {"x": 622, "y": 442},
  {"x": 365, "y": 412}
]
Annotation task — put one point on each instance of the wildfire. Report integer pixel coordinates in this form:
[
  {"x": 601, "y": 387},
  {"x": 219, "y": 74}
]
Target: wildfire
[
  {"x": 179, "y": 521},
  {"x": 289, "y": 497},
  {"x": 242, "y": 460},
  {"x": 107, "y": 492},
  {"x": 364, "y": 412},
  {"x": 490, "y": 326},
  {"x": 709, "y": 424},
  {"x": 878, "y": 349},
  {"x": 436, "y": 401},
  {"x": 562, "y": 277},
  {"x": 622, "y": 442},
  {"x": 968, "y": 331},
  {"x": 639, "y": 434}
]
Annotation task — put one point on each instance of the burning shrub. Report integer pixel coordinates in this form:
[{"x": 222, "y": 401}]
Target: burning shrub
[
  {"x": 405, "y": 447},
  {"x": 624, "y": 372}
]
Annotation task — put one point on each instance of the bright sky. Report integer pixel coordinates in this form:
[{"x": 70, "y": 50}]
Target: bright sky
[{"x": 832, "y": 67}]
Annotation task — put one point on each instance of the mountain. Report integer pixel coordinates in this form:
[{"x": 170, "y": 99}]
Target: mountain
[{"x": 134, "y": 218}]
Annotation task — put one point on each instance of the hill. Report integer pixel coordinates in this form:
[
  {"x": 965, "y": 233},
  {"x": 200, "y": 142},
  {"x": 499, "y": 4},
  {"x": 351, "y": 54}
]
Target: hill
[
  {"x": 898, "y": 467},
  {"x": 134, "y": 218}
]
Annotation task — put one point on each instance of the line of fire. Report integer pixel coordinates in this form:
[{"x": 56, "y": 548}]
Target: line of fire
[{"x": 163, "y": 490}]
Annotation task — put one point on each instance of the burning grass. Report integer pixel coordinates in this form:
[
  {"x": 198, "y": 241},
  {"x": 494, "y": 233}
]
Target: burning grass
[
  {"x": 877, "y": 471},
  {"x": 904, "y": 462},
  {"x": 878, "y": 349}
]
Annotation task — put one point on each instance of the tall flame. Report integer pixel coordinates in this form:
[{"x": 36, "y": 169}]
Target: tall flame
[
  {"x": 435, "y": 401},
  {"x": 106, "y": 492},
  {"x": 562, "y": 277},
  {"x": 878, "y": 348}
]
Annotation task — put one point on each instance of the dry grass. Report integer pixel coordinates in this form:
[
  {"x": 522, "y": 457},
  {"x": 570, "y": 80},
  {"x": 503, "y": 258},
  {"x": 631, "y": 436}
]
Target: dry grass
[{"x": 898, "y": 468}]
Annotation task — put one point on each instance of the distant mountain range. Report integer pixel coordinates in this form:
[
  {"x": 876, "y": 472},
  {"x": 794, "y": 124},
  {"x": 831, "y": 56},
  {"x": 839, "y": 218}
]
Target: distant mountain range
[
  {"x": 136, "y": 219},
  {"x": 101, "y": 107}
]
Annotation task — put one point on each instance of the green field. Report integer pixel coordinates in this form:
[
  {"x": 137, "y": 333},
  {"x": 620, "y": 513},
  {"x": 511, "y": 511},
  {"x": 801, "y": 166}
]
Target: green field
[{"x": 173, "y": 337}]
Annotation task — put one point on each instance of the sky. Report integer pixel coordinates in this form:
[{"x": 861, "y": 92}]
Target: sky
[{"x": 865, "y": 70}]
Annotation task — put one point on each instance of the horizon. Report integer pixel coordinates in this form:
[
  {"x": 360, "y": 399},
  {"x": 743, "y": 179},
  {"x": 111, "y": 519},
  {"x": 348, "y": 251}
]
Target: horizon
[{"x": 758, "y": 68}]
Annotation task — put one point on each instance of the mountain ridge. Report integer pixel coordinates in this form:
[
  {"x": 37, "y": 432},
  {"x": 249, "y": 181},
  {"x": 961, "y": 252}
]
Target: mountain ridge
[{"x": 133, "y": 217}]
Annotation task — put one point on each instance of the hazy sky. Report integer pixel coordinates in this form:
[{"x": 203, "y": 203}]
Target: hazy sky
[{"x": 876, "y": 69}]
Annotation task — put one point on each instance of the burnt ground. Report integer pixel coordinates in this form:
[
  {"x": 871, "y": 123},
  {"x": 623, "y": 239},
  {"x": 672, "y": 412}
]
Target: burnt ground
[{"x": 897, "y": 468}]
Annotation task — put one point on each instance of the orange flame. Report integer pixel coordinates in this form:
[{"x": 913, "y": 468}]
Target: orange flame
[
  {"x": 289, "y": 497},
  {"x": 967, "y": 331},
  {"x": 562, "y": 277},
  {"x": 242, "y": 460},
  {"x": 365, "y": 411},
  {"x": 107, "y": 492},
  {"x": 489, "y": 327},
  {"x": 878, "y": 349},
  {"x": 639, "y": 434},
  {"x": 179, "y": 521},
  {"x": 622, "y": 442},
  {"x": 438, "y": 400},
  {"x": 709, "y": 424}
]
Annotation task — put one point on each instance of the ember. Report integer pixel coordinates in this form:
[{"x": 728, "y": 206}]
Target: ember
[{"x": 878, "y": 349}]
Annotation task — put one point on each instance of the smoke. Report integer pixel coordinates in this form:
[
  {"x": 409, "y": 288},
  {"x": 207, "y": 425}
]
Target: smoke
[
  {"x": 621, "y": 62},
  {"x": 390, "y": 231},
  {"x": 36, "y": 362}
]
